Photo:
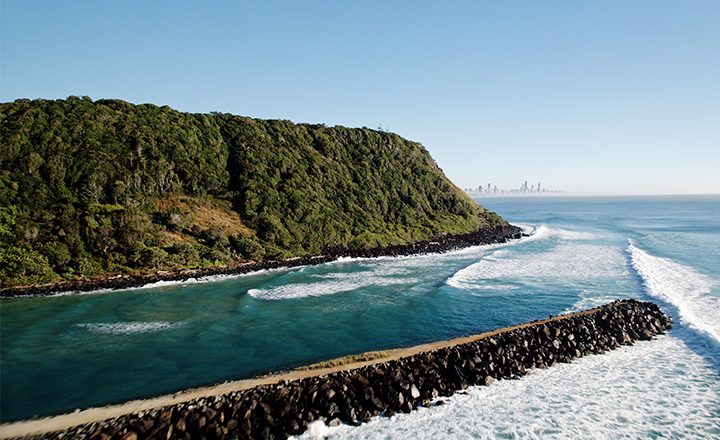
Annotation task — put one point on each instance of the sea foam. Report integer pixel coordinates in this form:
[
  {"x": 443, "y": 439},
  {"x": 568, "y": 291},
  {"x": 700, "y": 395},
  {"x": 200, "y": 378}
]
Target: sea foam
[
  {"x": 160, "y": 285},
  {"x": 652, "y": 389},
  {"x": 542, "y": 232},
  {"x": 567, "y": 260},
  {"x": 682, "y": 286},
  {"x": 329, "y": 284},
  {"x": 128, "y": 327}
]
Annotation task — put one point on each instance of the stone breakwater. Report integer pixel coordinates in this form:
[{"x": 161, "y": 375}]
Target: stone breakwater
[
  {"x": 441, "y": 244},
  {"x": 385, "y": 388}
]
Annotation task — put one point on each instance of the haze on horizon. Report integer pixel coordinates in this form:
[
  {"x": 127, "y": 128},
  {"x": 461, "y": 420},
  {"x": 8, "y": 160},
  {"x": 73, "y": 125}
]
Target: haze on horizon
[{"x": 591, "y": 98}]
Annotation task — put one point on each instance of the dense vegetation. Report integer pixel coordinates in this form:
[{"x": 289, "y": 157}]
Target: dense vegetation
[{"x": 92, "y": 188}]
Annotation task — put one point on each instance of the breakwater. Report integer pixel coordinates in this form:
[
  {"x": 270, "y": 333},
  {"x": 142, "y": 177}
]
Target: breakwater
[
  {"x": 441, "y": 244},
  {"x": 354, "y": 396}
]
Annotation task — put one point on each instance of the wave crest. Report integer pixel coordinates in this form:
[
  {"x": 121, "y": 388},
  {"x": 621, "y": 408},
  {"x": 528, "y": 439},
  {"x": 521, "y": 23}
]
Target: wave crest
[
  {"x": 681, "y": 286},
  {"x": 334, "y": 283},
  {"x": 128, "y": 327},
  {"x": 566, "y": 261},
  {"x": 545, "y": 232}
]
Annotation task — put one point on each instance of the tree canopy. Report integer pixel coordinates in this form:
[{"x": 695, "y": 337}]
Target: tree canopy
[{"x": 94, "y": 188}]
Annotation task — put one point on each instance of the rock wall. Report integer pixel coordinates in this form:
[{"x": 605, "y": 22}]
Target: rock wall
[
  {"x": 441, "y": 244},
  {"x": 386, "y": 388}
]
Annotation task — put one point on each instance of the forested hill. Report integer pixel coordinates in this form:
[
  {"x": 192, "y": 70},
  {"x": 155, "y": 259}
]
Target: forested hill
[{"x": 93, "y": 188}]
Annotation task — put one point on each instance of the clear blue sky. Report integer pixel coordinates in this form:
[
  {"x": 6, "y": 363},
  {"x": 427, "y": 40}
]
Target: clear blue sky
[{"x": 586, "y": 96}]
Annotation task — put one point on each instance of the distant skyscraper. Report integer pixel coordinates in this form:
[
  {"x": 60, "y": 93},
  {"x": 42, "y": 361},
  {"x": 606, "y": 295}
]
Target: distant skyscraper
[{"x": 538, "y": 186}]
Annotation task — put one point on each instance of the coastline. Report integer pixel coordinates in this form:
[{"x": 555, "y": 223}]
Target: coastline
[
  {"x": 125, "y": 281},
  {"x": 627, "y": 319}
]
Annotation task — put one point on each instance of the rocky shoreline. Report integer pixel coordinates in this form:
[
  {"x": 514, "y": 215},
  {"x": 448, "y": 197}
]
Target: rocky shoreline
[
  {"x": 354, "y": 396},
  {"x": 439, "y": 245}
]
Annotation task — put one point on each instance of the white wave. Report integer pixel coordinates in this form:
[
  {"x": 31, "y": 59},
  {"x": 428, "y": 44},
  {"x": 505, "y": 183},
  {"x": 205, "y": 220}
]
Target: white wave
[
  {"x": 414, "y": 260},
  {"x": 494, "y": 287},
  {"x": 541, "y": 232},
  {"x": 462, "y": 252},
  {"x": 318, "y": 430},
  {"x": 160, "y": 284},
  {"x": 527, "y": 228},
  {"x": 417, "y": 259},
  {"x": 545, "y": 232},
  {"x": 589, "y": 300},
  {"x": 129, "y": 327},
  {"x": 380, "y": 271},
  {"x": 682, "y": 286},
  {"x": 220, "y": 277},
  {"x": 174, "y": 283},
  {"x": 565, "y": 261},
  {"x": 653, "y": 389},
  {"x": 331, "y": 284}
]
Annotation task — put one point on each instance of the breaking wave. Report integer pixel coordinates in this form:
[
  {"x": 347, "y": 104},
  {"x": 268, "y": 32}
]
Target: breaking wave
[
  {"x": 545, "y": 232},
  {"x": 129, "y": 327},
  {"x": 177, "y": 283},
  {"x": 330, "y": 284},
  {"x": 682, "y": 286},
  {"x": 589, "y": 300},
  {"x": 569, "y": 260}
]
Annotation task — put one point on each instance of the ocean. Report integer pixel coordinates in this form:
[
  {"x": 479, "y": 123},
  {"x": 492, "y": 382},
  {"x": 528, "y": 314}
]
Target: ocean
[{"x": 72, "y": 351}]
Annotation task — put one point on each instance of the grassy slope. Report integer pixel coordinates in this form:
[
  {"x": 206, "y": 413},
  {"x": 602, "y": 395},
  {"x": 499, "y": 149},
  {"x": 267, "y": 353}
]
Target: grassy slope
[{"x": 93, "y": 188}]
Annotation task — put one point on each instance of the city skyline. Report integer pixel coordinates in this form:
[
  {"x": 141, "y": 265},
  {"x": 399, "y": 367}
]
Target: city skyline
[{"x": 525, "y": 189}]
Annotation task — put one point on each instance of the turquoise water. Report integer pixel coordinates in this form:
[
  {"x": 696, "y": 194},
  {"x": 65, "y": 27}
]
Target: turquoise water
[{"x": 65, "y": 352}]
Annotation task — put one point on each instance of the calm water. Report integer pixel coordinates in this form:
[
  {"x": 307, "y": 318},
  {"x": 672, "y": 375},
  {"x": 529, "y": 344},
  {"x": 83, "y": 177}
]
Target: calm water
[{"x": 64, "y": 352}]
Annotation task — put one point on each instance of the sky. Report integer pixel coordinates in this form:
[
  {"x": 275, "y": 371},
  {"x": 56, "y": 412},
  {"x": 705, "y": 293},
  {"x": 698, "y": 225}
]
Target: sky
[{"x": 588, "y": 97}]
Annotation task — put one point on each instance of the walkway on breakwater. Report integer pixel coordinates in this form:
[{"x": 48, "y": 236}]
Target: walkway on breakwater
[{"x": 285, "y": 403}]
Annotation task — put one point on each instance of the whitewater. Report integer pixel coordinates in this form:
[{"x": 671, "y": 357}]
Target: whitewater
[
  {"x": 582, "y": 252},
  {"x": 665, "y": 388}
]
